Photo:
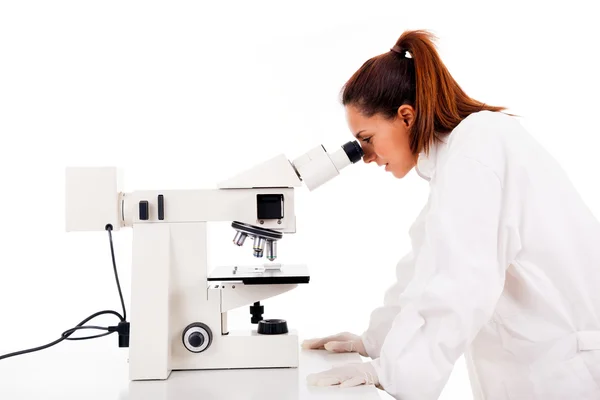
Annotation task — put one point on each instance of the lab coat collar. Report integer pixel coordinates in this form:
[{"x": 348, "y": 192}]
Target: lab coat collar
[{"x": 426, "y": 163}]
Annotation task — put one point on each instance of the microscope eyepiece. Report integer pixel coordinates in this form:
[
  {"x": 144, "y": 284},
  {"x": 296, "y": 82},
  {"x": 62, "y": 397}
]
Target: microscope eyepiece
[
  {"x": 353, "y": 151},
  {"x": 318, "y": 166}
]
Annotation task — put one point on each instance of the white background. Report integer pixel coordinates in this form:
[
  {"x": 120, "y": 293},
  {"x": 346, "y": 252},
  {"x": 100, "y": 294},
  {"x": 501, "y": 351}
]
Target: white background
[{"x": 184, "y": 94}]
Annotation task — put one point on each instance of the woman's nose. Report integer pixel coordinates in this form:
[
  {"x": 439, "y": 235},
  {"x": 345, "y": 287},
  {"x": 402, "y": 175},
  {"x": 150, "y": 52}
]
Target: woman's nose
[{"x": 369, "y": 157}]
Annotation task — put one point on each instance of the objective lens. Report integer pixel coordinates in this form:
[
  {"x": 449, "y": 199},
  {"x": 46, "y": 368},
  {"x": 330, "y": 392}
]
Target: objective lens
[
  {"x": 259, "y": 244},
  {"x": 271, "y": 250},
  {"x": 239, "y": 238}
]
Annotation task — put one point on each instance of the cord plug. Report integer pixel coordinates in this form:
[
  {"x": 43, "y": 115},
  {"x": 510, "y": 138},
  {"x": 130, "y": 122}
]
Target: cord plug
[{"x": 123, "y": 331}]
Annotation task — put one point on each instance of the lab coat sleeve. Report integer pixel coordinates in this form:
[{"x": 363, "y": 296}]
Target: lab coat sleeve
[
  {"x": 457, "y": 282},
  {"x": 382, "y": 317}
]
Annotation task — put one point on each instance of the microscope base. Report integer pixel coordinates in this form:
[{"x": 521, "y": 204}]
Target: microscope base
[{"x": 241, "y": 350}]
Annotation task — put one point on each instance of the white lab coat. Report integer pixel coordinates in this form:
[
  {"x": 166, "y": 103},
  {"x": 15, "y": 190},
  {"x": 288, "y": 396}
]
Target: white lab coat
[{"x": 504, "y": 268}]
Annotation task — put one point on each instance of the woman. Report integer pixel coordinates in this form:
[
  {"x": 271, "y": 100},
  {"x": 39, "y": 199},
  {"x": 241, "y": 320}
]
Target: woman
[{"x": 505, "y": 259}]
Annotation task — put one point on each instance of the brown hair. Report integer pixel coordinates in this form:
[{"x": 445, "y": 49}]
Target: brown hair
[{"x": 386, "y": 82}]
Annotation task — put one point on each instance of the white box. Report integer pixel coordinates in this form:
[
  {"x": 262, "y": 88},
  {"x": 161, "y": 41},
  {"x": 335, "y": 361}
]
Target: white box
[{"x": 92, "y": 198}]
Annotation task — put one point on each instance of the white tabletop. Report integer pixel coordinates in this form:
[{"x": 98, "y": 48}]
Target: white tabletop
[{"x": 70, "y": 371}]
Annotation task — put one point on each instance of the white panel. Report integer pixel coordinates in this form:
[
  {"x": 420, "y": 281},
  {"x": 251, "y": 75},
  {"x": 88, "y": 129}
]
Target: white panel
[
  {"x": 189, "y": 302},
  {"x": 92, "y": 198},
  {"x": 149, "y": 350}
]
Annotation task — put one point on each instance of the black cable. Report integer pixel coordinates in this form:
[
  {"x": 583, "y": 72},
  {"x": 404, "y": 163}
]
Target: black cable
[
  {"x": 112, "y": 253},
  {"x": 80, "y": 326}
]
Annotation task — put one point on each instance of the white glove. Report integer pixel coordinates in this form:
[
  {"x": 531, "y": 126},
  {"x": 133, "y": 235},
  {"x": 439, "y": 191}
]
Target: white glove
[
  {"x": 354, "y": 374},
  {"x": 344, "y": 342}
]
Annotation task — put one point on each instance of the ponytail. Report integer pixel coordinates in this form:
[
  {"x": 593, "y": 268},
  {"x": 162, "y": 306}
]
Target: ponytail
[{"x": 412, "y": 73}]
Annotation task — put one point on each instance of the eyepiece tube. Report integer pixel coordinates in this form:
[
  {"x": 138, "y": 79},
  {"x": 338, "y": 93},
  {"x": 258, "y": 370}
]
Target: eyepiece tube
[{"x": 317, "y": 166}]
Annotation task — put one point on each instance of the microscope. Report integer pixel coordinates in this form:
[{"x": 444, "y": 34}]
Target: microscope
[{"x": 179, "y": 312}]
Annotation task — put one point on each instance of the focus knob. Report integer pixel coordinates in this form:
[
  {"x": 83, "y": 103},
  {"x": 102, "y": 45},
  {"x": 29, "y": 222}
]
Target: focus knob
[
  {"x": 272, "y": 327},
  {"x": 197, "y": 337}
]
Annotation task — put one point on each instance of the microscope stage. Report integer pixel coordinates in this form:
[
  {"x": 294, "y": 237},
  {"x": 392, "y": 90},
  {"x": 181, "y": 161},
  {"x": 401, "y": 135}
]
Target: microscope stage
[{"x": 288, "y": 274}]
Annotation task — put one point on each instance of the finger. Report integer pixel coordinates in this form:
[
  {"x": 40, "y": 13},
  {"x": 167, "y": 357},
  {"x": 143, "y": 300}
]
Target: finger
[
  {"x": 312, "y": 344},
  {"x": 321, "y": 379},
  {"x": 354, "y": 381},
  {"x": 328, "y": 381},
  {"x": 318, "y": 343},
  {"x": 340, "y": 346}
]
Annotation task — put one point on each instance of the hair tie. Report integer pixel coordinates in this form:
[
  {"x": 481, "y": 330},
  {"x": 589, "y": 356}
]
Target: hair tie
[{"x": 398, "y": 50}]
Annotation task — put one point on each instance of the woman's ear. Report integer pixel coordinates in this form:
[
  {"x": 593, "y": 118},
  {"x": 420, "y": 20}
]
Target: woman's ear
[{"x": 406, "y": 114}]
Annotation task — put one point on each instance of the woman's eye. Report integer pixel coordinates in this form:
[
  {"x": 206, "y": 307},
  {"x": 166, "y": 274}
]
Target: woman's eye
[{"x": 367, "y": 140}]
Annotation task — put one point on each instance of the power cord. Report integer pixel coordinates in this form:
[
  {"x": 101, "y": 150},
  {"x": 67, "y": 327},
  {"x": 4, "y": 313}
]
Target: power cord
[{"x": 122, "y": 328}]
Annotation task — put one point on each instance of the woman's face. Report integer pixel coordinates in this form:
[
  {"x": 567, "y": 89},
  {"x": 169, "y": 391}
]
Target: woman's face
[{"x": 385, "y": 141}]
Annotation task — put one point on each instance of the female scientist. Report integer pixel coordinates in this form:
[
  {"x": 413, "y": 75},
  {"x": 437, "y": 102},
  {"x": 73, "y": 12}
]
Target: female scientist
[{"x": 505, "y": 259}]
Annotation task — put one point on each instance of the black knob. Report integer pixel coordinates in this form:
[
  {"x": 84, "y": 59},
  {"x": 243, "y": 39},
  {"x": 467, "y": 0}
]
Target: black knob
[
  {"x": 272, "y": 327},
  {"x": 144, "y": 213},
  {"x": 196, "y": 339},
  {"x": 353, "y": 151},
  {"x": 257, "y": 312}
]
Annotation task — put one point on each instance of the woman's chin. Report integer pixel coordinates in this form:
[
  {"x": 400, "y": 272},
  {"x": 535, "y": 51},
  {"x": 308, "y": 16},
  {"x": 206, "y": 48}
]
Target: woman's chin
[{"x": 398, "y": 174}]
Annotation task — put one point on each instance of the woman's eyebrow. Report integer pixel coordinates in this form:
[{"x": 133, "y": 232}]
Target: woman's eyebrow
[{"x": 358, "y": 134}]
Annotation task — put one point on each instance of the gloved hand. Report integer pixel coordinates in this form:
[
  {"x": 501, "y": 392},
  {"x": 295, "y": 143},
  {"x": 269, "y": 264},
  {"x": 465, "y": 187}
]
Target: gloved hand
[
  {"x": 344, "y": 342},
  {"x": 354, "y": 374}
]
